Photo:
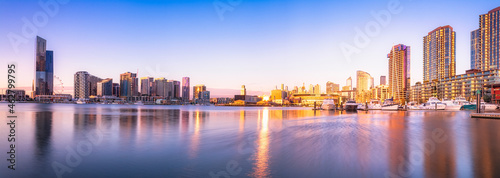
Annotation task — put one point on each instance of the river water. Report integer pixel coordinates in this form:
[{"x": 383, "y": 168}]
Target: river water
[{"x": 69, "y": 140}]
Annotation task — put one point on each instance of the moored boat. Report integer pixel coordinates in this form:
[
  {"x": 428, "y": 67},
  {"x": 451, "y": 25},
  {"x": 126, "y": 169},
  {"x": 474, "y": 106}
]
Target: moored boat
[
  {"x": 484, "y": 106},
  {"x": 455, "y": 105},
  {"x": 389, "y": 105},
  {"x": 350, "y": 105},
  {"x": 361, "y": 106},
  {"x": 433, "y": 104},
  {"x": 328, "y": 104},
  {"x": 374, "y": 105},
  {"x": 412, "y": 106},
  {"x": 81, "y": 101}
]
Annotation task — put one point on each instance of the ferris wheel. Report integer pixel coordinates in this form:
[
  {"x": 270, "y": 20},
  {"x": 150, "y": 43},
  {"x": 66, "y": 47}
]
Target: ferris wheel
[{"x": 58, "y": 85}]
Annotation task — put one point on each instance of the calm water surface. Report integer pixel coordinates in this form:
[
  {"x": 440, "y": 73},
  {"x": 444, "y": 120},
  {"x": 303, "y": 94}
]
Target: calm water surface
[{"x": 208, "y": 141}]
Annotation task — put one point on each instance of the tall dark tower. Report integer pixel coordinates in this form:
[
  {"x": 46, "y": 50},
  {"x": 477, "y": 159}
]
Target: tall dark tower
[
  {"x": 185, "y": 89},
  {"x": 49, "y": 72},
  {"x": 41, "y": 80}
]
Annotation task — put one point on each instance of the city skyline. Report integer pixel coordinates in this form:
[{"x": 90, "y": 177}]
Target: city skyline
[
  {"x": 250, "y": 88},
  {"x": 264, "y": 84}
]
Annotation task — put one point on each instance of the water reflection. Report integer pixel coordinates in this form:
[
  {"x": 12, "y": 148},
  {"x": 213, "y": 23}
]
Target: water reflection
[
  {"x": 43, "y": 140},
  {"x": 397, "y": 146},
  {"x": 128, "y": 126},
  {"x": 242, "y": 122},
  {"x": 485, "y": 148},
  {"x": 261, "y": 166},
  {"x": 84, "y": 122},
  {"x": 151, "y": 141},
  {"x": 195, "y": 138},
  {"x": 43, "y": 135},
  {"x": 442, "y": 153}
]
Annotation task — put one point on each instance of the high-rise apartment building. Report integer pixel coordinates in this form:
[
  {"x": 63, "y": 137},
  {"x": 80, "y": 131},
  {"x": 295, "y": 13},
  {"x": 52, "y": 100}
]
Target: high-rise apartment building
[
  {"x": 399, "y": 72},
  {"x": 85, "y": 85},
  {"x": 44, "y": 69},
  {"x": 146, "y": 86},
  {"x": 380, "y": 92},
  {"x": 105, "y": 87},
  {"x": 311, "y": 89},
  {"x": 485, "y": 42},
  {"x": 439, "y": 54},
  {"x": 169, "y": 89},
  {"x": 332, "y": 88},
  {"x": 383, "y": 80},
  {"x": 317, "y": 89},
  {"x": 116, "y": 89},
  {"x": 81, "y": 88},
  {"x": 197, "y": 91},
  {"x": 175, "y": 89},
  {"x": 364, "y": 81},
  {"x": 243, "y": 90},
  {"x": 93, "y": 80},
  {"x": 161, "y": 87},
  {"x": 349, "y": 83},
  {"x": 128, "y": 84}
]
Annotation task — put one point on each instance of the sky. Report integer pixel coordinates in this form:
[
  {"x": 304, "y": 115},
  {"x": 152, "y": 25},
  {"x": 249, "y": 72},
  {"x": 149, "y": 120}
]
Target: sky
[{"x": 228, "y": 43}]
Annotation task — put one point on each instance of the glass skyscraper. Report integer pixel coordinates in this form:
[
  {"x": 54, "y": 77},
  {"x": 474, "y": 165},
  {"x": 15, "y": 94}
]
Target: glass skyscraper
[
  {"x": 177, "y": 89},
  {"x": 49, "y": 71},
  {"x": 185, "y": 89},
  {"x": 197, "y": 91},
  {"x": 105, "y": 87},
  {"x": 399, "y": 73},
  {"x": 44, "y": 68},
  {"x": 439, "y": 54},
  {"x": 485, "y": 42},
  {"x": 128, "y": 84}
]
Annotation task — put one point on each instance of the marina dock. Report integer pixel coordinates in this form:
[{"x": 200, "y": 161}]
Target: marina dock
[{"x": 485, "y": 115}]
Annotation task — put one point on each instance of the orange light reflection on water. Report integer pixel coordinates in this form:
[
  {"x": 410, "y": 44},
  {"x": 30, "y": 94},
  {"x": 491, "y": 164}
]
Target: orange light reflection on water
[
  {"x": 261, "y": 165},
  {"x": 195, "y": 138}
]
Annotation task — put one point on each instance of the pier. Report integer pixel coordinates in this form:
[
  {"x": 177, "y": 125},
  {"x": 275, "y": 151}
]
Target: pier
[{"x": 485, "y": 115}]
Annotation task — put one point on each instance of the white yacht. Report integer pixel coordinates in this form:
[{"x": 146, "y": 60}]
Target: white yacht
[
  {"x": 389, "y": 105},
  {"x": 361, "y": 106},
  {"x": 489, "y": 107},
  {"x": 350, "y": 105},
  {"x": 374, "y": 105},
  {"x": 486, "y": 106},
  {"x": 455, "y": 105},
  {"x": 81, "y": 101},
  {"x": 433, "y": 104},
  {"x": 328, "y": 104},
  {"x": 413, "y": 106}
]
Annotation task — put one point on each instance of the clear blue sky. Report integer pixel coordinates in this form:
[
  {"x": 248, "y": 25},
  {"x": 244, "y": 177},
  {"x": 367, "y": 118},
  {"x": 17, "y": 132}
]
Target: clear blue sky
[{"x": 260, "y": 44}]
